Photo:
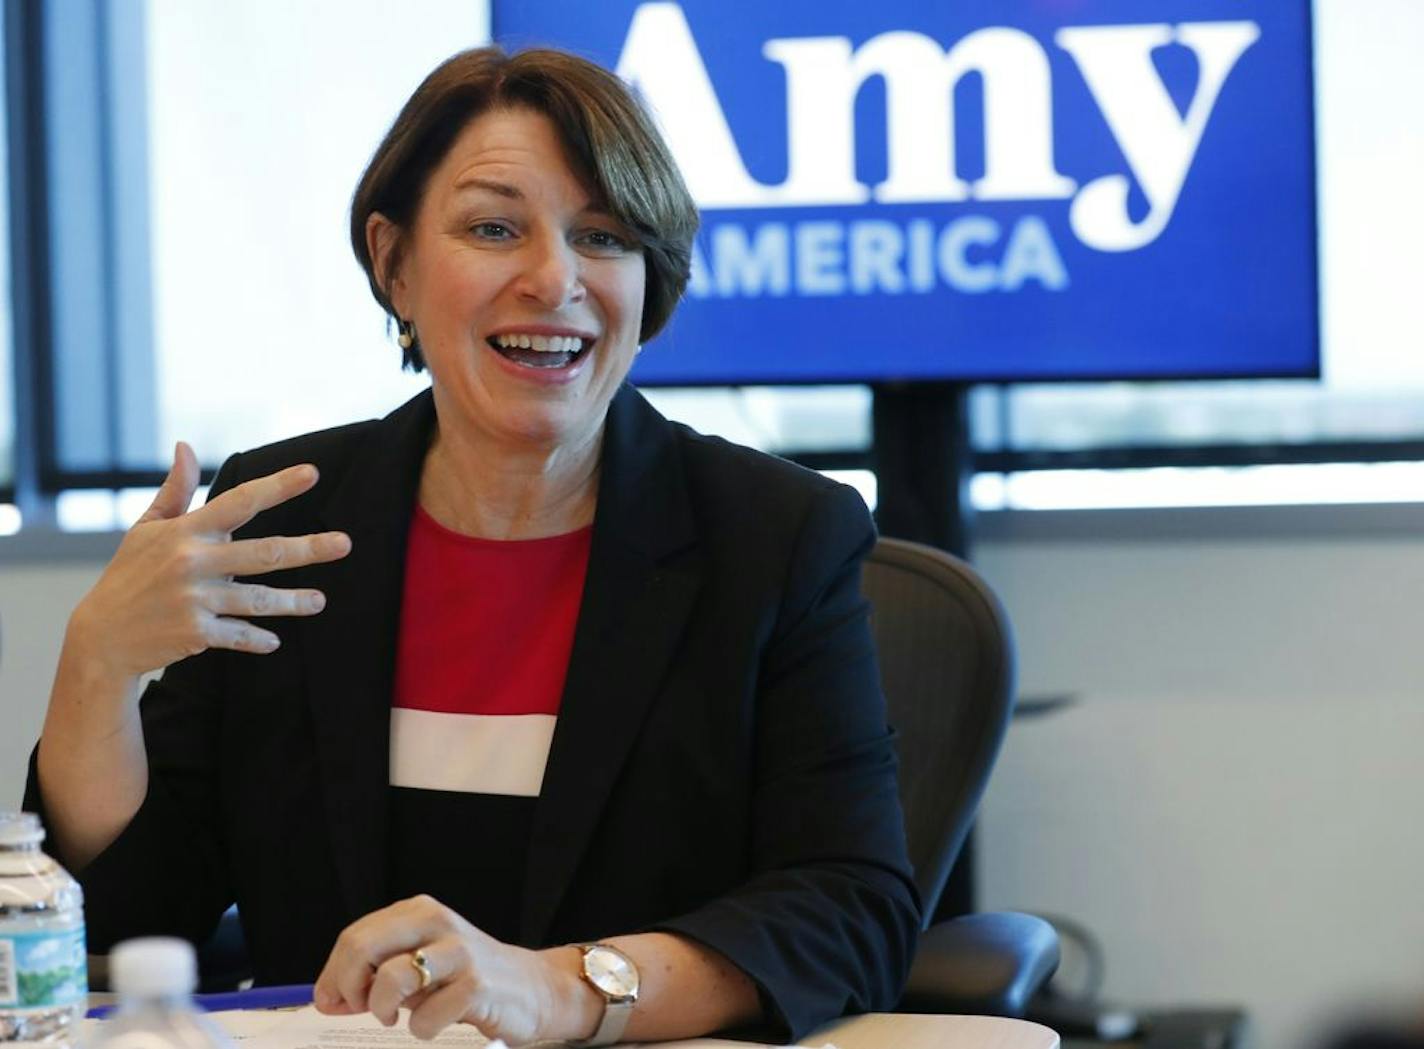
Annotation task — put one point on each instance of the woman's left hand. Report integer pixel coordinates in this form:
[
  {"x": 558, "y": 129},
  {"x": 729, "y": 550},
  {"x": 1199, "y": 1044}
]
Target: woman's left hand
[{"x": 507, "y": 992}]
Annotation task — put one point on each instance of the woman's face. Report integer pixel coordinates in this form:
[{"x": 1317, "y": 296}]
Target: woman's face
[{"x": 526, "y": 296}]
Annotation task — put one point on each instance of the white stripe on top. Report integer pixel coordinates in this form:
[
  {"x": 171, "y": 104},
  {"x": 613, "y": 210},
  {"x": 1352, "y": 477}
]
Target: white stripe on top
[{"x": 471, "y": 753}]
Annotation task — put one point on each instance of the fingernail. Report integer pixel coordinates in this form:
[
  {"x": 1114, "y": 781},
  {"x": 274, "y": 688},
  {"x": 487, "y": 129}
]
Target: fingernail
[
  {"x": 271, "y": 643},
  {"x": 316, "y": 602}
]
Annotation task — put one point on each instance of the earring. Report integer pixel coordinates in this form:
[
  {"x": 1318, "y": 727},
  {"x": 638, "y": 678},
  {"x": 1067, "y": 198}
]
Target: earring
[{"x": 406, "y": 338}]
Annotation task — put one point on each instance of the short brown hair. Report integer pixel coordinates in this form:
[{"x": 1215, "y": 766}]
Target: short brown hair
[{"x": 609, "y": 139}]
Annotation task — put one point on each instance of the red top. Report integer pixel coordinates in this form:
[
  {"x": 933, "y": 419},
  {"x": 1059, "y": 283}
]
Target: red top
[
  {"x": 487, "y": 625},
  {"x": 485, "y": 636}
]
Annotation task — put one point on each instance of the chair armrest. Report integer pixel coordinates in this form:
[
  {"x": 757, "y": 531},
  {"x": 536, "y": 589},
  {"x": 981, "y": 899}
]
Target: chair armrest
[{"x": 989, "y": 964}]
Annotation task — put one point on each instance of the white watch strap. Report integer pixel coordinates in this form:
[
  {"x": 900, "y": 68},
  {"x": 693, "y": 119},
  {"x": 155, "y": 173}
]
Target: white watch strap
[{"x": 615, "y": 1019}]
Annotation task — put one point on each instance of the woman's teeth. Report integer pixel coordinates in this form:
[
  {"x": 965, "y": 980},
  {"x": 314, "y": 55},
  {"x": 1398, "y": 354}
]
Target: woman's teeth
[
  {"x": 539, "y": 343},
  {"x": 538, "y": 351}
]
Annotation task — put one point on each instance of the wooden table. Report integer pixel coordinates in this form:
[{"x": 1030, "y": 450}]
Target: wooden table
[
  {"x": 918, "y": 1031},
  {"x": 905, "y": 1031}
]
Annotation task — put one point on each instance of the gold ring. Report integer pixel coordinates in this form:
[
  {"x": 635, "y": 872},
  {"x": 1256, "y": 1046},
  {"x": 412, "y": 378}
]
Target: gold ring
[{"x": 421, "y": 964}]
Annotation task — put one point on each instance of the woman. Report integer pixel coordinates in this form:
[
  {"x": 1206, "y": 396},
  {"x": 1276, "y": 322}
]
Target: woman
[{"x": 591, "y": 697}]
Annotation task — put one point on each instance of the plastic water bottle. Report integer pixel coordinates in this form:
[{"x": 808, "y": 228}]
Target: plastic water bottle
[
  {"x": 44, "y": 977},
  {"x": 155, "y": 977}
]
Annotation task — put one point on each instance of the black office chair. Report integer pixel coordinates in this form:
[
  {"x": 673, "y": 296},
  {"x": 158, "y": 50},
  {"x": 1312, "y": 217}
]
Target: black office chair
[{"x": 947, "y": 668}]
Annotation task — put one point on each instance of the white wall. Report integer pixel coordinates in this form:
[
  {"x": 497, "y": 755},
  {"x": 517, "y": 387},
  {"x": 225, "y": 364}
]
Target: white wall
[
  {"x": 1232, "y": 806},
  {"x": 35, "y": 599}
]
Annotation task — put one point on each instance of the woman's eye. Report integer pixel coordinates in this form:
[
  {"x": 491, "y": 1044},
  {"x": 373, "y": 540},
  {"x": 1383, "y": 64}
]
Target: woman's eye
[
  {"x": 491, "y": 230},
  {"x": 605, "y": 241}
]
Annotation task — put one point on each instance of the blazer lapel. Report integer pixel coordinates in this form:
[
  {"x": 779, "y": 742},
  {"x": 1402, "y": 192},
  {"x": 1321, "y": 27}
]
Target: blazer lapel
[
  {"x": 351, "y": 646},
  {"x": 635, "y": 603}
]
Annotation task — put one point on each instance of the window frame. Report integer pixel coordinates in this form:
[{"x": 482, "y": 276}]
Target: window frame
[{"x": 56, "y": 271}]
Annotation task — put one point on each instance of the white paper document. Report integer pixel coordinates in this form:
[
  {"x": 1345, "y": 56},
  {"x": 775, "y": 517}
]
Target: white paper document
[{"x": 308, "y": 1029}]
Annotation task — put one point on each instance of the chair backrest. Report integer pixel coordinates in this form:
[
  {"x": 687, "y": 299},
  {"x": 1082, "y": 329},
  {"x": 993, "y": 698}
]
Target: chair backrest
[{"x": 947, "y": 667}]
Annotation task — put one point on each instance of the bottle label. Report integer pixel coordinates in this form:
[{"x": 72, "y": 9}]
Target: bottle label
[{"x": 41, "y": 970}]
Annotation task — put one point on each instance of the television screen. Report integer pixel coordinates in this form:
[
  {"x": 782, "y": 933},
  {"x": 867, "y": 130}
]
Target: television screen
[{"x": 977, "y": 190}]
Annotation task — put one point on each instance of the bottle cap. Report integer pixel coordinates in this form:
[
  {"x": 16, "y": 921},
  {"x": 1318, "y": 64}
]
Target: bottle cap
[
  {"x": 20, "y": 828},
  {"x": 153, "y": 967}
]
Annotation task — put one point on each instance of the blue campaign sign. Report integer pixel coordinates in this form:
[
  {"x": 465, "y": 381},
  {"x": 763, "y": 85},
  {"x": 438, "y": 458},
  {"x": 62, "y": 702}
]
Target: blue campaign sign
[{"x": 975, "y": 189}]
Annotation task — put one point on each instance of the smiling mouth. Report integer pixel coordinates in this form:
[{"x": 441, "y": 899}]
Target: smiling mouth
[{"x": 540, "y": 351}]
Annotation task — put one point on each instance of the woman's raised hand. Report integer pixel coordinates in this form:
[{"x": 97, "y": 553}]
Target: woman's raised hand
[{"x": 169, "y": 593}]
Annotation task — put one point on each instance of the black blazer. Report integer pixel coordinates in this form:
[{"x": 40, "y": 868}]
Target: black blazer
[{"x": 721, "y": 765}]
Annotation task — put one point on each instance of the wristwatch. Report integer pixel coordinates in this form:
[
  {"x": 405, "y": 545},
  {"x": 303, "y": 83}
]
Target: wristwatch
[{"x": 612, "y": 974}]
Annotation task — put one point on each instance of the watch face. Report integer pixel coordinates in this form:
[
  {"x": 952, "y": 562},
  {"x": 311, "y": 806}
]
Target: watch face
[{"x": 611, "y": 972}]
